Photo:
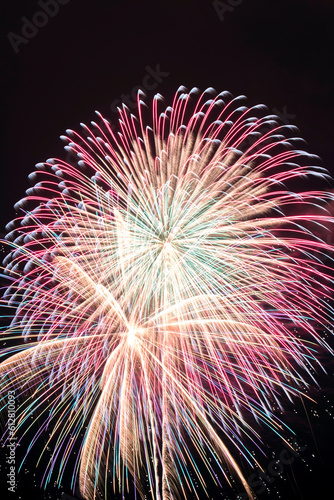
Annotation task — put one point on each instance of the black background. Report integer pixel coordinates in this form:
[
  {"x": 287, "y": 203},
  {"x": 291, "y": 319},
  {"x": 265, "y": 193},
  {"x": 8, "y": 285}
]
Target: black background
[{"x": 276, "y": 52}]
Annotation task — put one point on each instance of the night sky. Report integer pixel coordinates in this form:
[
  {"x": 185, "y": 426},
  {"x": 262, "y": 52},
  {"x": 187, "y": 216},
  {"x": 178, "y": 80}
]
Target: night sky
[{"x": 90, "y": 55}]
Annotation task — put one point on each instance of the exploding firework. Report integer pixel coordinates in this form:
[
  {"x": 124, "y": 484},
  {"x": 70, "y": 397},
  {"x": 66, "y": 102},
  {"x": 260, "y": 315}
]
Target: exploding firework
[{"x": 168, "y": 294}]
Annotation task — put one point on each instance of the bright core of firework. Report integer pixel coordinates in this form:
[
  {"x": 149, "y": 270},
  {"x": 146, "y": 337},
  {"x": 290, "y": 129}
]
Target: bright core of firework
[{"x": 168, "y": 293}]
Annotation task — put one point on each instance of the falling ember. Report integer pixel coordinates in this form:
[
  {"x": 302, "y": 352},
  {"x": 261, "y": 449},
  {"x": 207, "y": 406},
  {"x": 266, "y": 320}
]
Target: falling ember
[{"x": 172, "y": 294}]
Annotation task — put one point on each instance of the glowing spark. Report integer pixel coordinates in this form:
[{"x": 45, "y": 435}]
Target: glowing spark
[{"x": 171, "y": 294}]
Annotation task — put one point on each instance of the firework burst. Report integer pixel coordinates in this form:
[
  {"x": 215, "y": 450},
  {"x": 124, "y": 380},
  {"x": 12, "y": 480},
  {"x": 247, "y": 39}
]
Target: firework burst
[{"x": 168, "y": 294}]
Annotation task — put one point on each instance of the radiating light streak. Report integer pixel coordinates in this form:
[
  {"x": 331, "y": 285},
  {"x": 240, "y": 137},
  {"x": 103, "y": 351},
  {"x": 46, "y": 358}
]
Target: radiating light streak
[{"x": 171, "y": 293}]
